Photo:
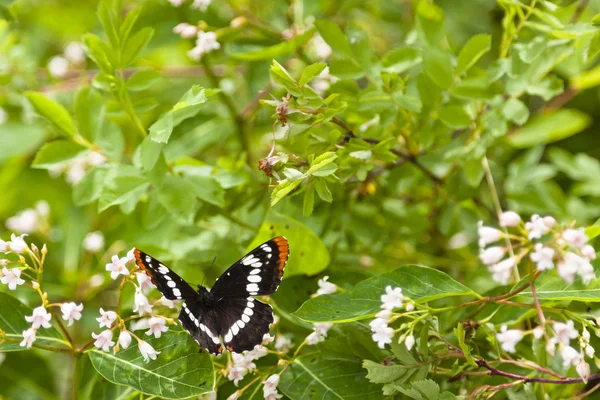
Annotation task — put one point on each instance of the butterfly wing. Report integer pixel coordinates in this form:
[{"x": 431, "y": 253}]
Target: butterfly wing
[
  {"x": 199, "y": 324},
  {"x": 243, "y": 322},
  {"x": 256, "y": 274},
  {"x": 171, "y": 285}
]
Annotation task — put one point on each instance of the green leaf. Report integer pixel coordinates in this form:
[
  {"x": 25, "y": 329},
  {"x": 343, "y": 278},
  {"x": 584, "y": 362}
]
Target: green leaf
[
  {"x": 430, "y": 22},
  {"x": 309, "y": 201},
  {"x": 323, "y": 190},
  {"x": 476, "y": 47},
  {"x": 56, "y": 152},
  {"x": 13, "y": 323},
  {"x": 19, "y": 139},
  {"x": 188, "y": 106},
  {"x": 128, "y": 23},
  {"x": 284, "y": 188},
  {"x": 28, "y": 376},
  {"x": 421, "y": 390},
  {"x": 334, "y": 37},
  {"x": 105, "y": 390},
  {"x": 177, "y": 196},
  {"x": 89, "y": 188},
  {"x": 310, "y": 375},
  {"x": 178, "y": 372},
  {"x": 437, "y": 65},
  {"x": 399, "y": 60},
  {"x": 207, "y": 189},
  {"x": 277, "y": 50},
  {"x": 149, "y": 152},
  {"x": 549, "y": 128},
  {"x": 379, "y": 373},
  {"x": 420, "y": 283},
  {"x": 321, "y": 162},
  {"x": 135, "y": 44},
  {"x": 283, "y": 78},
  {"x": 308, "y": 254},
  {"x": 454, "y": 116},
  {"x": 90, "y": 113},
  {"x": 311, "y": 72},
  {"x": 515, "y": 110},
  {"x": 110, "y": 19},
  {"x": 142, "y": 80},
  {"x": 124, "y": 184},
  {"x": 100, "y": 52},
  {"x": 460, "y": 333},
  {"x": 53, "y": 112}
]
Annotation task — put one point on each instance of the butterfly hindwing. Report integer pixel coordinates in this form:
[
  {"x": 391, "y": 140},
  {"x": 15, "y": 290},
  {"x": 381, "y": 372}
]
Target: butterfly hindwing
[
  {"x": 243, "y": 322},
  {"x": 256, "y": 274},
  {"x": 171, "y": 285},
  {"x": 199, "y": 325}
]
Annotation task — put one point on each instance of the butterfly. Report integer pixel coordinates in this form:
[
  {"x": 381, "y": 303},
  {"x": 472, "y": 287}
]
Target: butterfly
[{"x": 228, "y": 311}]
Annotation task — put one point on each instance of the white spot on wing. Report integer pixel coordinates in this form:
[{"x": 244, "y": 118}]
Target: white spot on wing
[
  {"x": 235, "y": 329},
  {"x": 245, "y": 318},
  {"x": 171, "y": 284},
  {"x": 255, "y": 271},
  {"x": 252, "y": 287},
  {"x": 248, "y": 311},
  {"x": 163, "y": 270},
  {"x": 254, "y": 278},
  {"x": 257, "y": 264},
  {"x": 241, "y": 324}
]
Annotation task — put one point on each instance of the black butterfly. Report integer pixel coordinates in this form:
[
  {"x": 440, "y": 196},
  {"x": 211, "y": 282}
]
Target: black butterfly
[{"x": 228, "y": 310}]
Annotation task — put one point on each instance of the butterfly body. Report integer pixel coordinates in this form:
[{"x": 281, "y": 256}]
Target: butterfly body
[{"x": 227, "y": 314}]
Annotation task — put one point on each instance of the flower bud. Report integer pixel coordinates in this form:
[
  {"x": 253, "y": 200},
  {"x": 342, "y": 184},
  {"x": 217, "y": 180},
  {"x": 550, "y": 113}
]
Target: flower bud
[
  {"x": 35, "y": 285},
  {"x": 583, "y": 369},
  {"x": 492, "y": 255},
  {"x": 487, "y": 234},
  {"x": 549, "y": 221},
  {"x": 409, "y": 342},
  {"x": 509, "y": 219}
]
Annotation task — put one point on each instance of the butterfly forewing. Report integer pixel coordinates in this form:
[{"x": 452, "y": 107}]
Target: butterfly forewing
[
  {"x": 258, "y": 273},
  {"x": 171, "y": 285}
]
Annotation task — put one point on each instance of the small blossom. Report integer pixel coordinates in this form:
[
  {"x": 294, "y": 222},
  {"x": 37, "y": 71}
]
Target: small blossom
[
  {"x": 130, "y": 256},
  {"x": 206, "y": 42},
  {"x": 570, "y": 356},
  {"x": 384, "y": 315},
  {"x": 235, "y": 395},
  {"x": 492, "y": 255},
  {"x": 17, "y": 243},
  {"x": 283, "y": 343},
  {"x": 28, "y": 338},
  {"x": 104, "y": 340},
  {"x": 95, "y": 158},
  {"x": 487, "y": 234},
  {"x": 319, "y": 334},
  {"x": 537, "y": 227},
  {"x": 538, "y": 332},
  {"x": 267, "y": 338},
  {"x": 257, "y": 352},
  {"x": 176, "y": 3},
  {"x": 166, "y": 302},
  {"x": 144, "y": 281},
  {"x": 93, "y": 242},
  {"x": 12, "y": 278},
  {"x": 509, "y": 219},
  {"x": 543, "y": 257},
  {"x": 549, "y": 221},
  {"x": 551, "y": 346},
  {"x": 139, "y": 324},
  {"x": 509, "y": 338},
  {"x": 238, "y": 22},
  {"x": 589, "y": 351},
  {"x": 40, "y": 317},
  {"x": 157, "y": 326},
  {"x": 575, "y": 237},
  {"x": 392, "y": 299},
  {"x": 185, "y": 30},
  {"x": 71, "y": 312},
  {"x": 565, "y": 332},
  {"x": 124, "y": 339},
  {"x": 75, "y": 171},
  {"x": 573, "y": 264},
  {"x": 588, "y": 252},
  {"x": 4, "y": 246},
  {"x": 117, "y": 267},
  {"x": 141, "y": 303},
  {"x": 107, "y": 318},
  {"x": 270, "y": 388},
  {"x": 75, "y": 53},
  {"x": 26, "y": 221},
  {"x": 502, "y": 271},
  {"x": 409, "y": 306},
  {"x": 583, "y": 370},
  {"x": 147, "y": 351},
  {"x": 319, "y": 47},
  {"x": 201, "y": 5},
  {"x": 58, "y": 67},
  {"x": 409, "y": 342},
  {"x": 326, "y": 287},
  {"x": 382, "y": 334}
]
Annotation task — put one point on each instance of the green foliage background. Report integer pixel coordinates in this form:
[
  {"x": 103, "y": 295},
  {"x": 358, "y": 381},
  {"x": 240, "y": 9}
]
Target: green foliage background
[{"x": 385, "y": 169}]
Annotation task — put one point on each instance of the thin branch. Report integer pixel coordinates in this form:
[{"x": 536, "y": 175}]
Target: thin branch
[
  {"x": 578, "y": 11},
  {"x": 525, "y": 379}
]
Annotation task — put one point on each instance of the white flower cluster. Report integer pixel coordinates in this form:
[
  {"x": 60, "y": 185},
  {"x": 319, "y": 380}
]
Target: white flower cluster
[
  {"x": 270, "y": 388},
  {"x": 73, "y": 56},
  {"x": 547, "y": 244},
  {"x": 201, "y": 5},
  {"x": 319, "y": 333},
  {"x": 325, "y": 287},
  {"x": 16, "y": 244},
  {"x": 382, "y": 333},
  {"x": 75, "y": 169},
  {"x": 30, "y": 219},
  {"x": 242, "y": 363},
  {"x": 41, "y": 319},
  {"x": 205, "y": 43}
]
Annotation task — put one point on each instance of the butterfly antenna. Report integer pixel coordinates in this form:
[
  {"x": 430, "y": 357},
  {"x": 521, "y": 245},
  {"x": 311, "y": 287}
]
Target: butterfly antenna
[{"x": 206, "y": 274}]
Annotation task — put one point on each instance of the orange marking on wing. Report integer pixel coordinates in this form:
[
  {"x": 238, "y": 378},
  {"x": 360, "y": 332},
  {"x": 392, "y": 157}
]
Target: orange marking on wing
[
  {"x": 230, "y": 348},
  {"x": 140, "y": 263},
  {"x": 284, "y": 251},
  {"x": 220, "y": 349}
]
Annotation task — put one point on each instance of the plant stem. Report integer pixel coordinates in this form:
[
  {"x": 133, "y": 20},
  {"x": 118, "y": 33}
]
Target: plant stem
[
  {"x": 76, "y": 374},
  {"x": 62, "y": 327}
]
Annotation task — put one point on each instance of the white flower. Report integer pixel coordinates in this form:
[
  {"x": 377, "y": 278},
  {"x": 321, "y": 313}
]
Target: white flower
[
  {"x": 283, "y": 343},
  {"x": 575, "y": 237},
  {"x": 58, "y": 67},
  {"x": 144, "y": 281},
  {"x": 491, "y": 255},
  {"x": 235, "y": 395},
  {"x": 95, "y": 158},
  {"x": 509, "y": 338},
  {"x": 409, "y": 342},
  {"x": 147, "y": 351},
  {"x": 319, "y": 334},
  {"x": 124, "y": 339},
  {"x": 176, "y": 3},
  {"x": 4, "y": 114},
  {"x": 392, "y": 299},
  {"x": 12, "y": 278},
  {"x": 409, "y": 306},
  {"x": 382, "y": 334},
  {"x": 157, "y": 326},
  {"x": 139, "y": 324},
  {"x": 543, "y": 257},
  {"x": 141, "y": 303},
  {"x": 103, "y": 340},
  {"x": 509, "y": 219},
  {"x": 185, "y": 30},
  {"x": 589, "y": 351},
  {"x": 166, "y": 302},
  {"x": 319, "y": 47},
  {"x": 42, "y": 208},
  {"x": 551, "y": 346},
  {"x": 17, "y": 243},
  {"x": 538, "y": 332},
  {"x": 75, "y": 52},
  {"x": 24, "y": 222},
  {"x": 565, "y": 332},
  {"x": 570, "y": 356},
  {"x": 384, "y": 315},
  {"x": 487, "y": 234},
  {"x": 326, "y": 287},
  {"x": 267, "y": 338},
  {"x": 4, "y": 246},
  {"x": 28, "y": 338},
  {"x": 237, "y": 22},
  {"x": 106, "y": 318},
  {"x": 117, "y": 267},
  {"x": 75, "y": 171},
  {"x": 583, "y": 370},
  {"x": 40, "y": 317},
  {"x": 573, "y": 264},
  {"x": 206, "y": 42},
  {"x": 549, "y": 221},
  {"x": 71, "y": 312},
  {"x": 270, "y": 388},
  {"x": 94, "y": 242},
  {"x": 502, "y": 271},
  {"x": 378, "y": 323},
  {"x": 201, "y": 5},
  {"x": 537, "y": 227},
  {"x": 241, "y": 365},
  {"x": 130, "y": 255},
  {"x": 588, "y": 252},
  {"x": 257, "y": 352}
]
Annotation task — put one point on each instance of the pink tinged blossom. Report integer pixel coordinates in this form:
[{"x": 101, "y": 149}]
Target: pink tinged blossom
[
  {"x": 565, "y": 332},
  {"x": 509, "y": 219},
  {"x": 492, "y": 255},
  {"x": 4, "y": 246},
  {"x": 257, "y": 352},
  {"x": 267, "y": 338},
  {"x": 166, "y": 302},
  {"x": 537, "y": 227},
  {"x": 17, "y": 243},
  {"x": 106, "y": 318},
  {"x": 104, "y": 340},
  {"x": 570, "y": 356},
  {"x": 583, "y": 370},
  {"x": 41, "y": 317},
  {"x": 117, "y": 267},
  {"x": 28, "y": 338},
  {"x": 144, "y": 281},
  {"x": 235, "y": 395},
  {"x": 588, "y": 252},
  {"x": 124, "y": 339},
  {"x": 543, "y": 257},
  {"x": 157, "y": 327},
  {"x": 185, "y": 30},
  {"x": 502, "y": 271},
  {"x": 509, "y": 338},
  {"x": 235, "y": 374},
  {"x": 551, "y": 346},
  {"x": 12, "y": 278},
  {"x": 392, "y": 299},
  {"x": 409, "y": 342},
  {"x": 270, "y": 388},
  {"x": 130, "y": 257},
  {"x": 326, "y": 287},
  {"x": 573, "y": 264},
  {"x": 142, "y": 306},
  {"x": 575, "y": 237},
  {"x": 71, "y": 312},
  {"x": 283, "y": 343},
  {"x": 147, "y": 351}
]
